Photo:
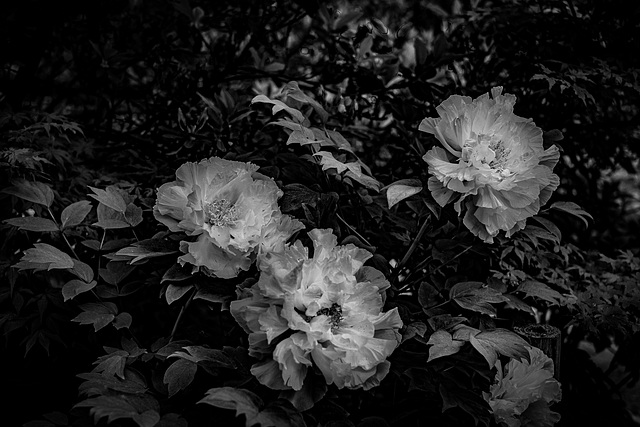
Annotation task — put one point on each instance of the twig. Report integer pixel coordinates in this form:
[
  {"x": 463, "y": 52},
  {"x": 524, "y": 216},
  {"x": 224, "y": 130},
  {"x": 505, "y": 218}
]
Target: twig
[
  {"x": 182, "y": 310},
  {"x": 353, "y": 230},
  {"x": 412, "y": 248}
]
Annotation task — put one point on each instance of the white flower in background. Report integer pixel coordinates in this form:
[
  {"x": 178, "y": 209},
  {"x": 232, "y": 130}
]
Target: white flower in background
[
  {"x": 523, "y": 391},
  {"x": 324, "y": 311},
  {"x": 493, "y": 163},
  {"x": 232, "y": 209}
]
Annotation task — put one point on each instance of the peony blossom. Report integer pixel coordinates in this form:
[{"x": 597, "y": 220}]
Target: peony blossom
[
  {"x": 231, "y": 211},
  {"x": 523, "y": 391},
  {"x": 320, "y": 313},
  {"x": 493, "y": 160}
]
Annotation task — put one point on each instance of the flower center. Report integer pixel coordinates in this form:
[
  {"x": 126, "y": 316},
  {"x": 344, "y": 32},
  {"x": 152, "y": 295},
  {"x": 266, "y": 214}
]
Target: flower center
[
  {"x": 334, "y": 313},
  {"x": 220, "y": 213},
  {"x": 486, "y": 150}
]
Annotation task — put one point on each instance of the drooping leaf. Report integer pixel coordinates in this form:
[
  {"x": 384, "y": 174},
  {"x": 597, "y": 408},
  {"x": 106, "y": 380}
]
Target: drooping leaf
[
  {"x": 33, "y": 223},
  {"x": 44, "y": 257},
  {"x": 442, "y": 344},
  {"x": 179, "y": 375},
  {"x": 75, "y": 213},
  {"x": 76, "y": 287},
  {"x": 573, "y": 209},
  {"x": 401, "y": 190},
  {"x": 35, "y": 192}
]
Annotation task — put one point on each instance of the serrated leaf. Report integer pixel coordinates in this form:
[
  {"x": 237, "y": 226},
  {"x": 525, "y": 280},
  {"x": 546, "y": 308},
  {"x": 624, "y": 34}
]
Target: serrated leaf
[
  {"x": 174, "y": 293},
  {"x": 33, "y": 223},
  {"x": 76, "y": 287},
  {"x": 573, "y": 209},
  {"x": 44, "y": 257},
  {"x": 442, "y": 344},
  {"x": 122, "y": 320},
  {"x": 35, "y": 192},
  {"x": 499, "y": 341},
  {"x": 75, "y": 213},
  {"x": 533, "y": 288},
  {"x": 198, "y": 354},
  {"x": 179, "y": 375},
  {"x": 244, "y": 402},
  {"x": 401, "y": 190},
  {"x": 279, "y": 106},
  {"x": 110, "y": 198}
]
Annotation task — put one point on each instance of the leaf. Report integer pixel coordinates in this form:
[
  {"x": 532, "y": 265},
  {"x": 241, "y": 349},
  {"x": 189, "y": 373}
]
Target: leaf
[
  {"x": 179, "y": 375},
  {"x": 174, "y": 293},
  {"x": 149, "y": 248},
  {"x": 499, "y": 341},
  {"x": 413, "y": 329},
  {"x": 112, "y": 364},
  {"x": 110, "y": 198},
  {"x": 292, "y": 90},
  {"x": 76, "y": 287},
  {"x": 97, "y": 314},
  {"x": 244, "y": 402},
  {"x": 35, "y": 192},
  {"x": 177, "y": 273},
  {"x": 295, "y": 195},
  {"x": 118, "y": 407},
  {"x": 82, "y": 271},
  {"x": 442, "y": 344},
  {"x": 75, "y": 213},
  {"x": 475, "y": 296},
  {"x": 122, "y": 320},
  {"x": 352, "y": 169},
  {"x": 110, "y": 219},
  {"x": 116, "y": 272},
  {"x": 573, "y": 209},
  {"x": 44, "y": 257},
  {"x": 133, "y": 215},
  {"x": 33, "y": 223},
  {"x": 100, "y": 383},
  {"x": 401, "y": 190},
  {"x": 198, "y": 354},
  {"x": 533, "y": 288},
  {"x": 279, "y": 106}
]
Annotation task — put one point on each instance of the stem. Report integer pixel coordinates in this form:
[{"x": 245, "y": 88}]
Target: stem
[
  {"x": 453, "y": 259},
  {"x": 182, "y": 310},
  {"x": 134, "y": 234},
  {"x": 412, "y": 248},
  {"x": 353, "y": 230},
  {"x": 63, "y": 235}
]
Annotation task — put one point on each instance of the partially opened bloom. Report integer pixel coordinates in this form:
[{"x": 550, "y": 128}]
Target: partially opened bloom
[
  {"x": 492, "y": 163},
  {"x": 524, "y": 390},
  {"x": 230, "y": 209},
  {"x": 323, "y": 312}
]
